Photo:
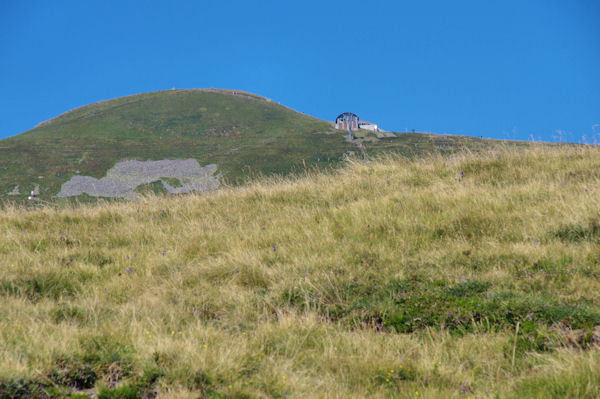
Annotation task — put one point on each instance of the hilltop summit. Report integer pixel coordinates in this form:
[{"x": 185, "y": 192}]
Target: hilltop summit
[{"x": 240, "y": 134}]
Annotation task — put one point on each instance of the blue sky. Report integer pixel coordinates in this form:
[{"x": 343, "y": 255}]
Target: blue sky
[{"x": 502, "y": 69}]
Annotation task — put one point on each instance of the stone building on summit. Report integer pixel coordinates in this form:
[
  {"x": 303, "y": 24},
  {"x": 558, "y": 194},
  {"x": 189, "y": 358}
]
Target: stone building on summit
[
  {"x": 346, "y": 121},
  {"x": 349, "y": 121}
]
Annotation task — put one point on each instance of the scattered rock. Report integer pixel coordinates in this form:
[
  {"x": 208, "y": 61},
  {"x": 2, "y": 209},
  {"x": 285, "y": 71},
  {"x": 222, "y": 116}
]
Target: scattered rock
[
  {"x": 580, "y": 338},
  {"x": 126, "y": 176}
]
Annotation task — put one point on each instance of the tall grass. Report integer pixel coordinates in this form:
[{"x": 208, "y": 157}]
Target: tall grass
[{"x": 462, "y": 276}]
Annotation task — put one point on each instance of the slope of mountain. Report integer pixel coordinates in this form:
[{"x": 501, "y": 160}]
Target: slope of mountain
[
  {"x": 451, "y": 277},
  {"x": 241, "y": 133}
]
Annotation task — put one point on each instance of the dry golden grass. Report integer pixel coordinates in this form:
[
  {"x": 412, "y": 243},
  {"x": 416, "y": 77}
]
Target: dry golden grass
[{"x": 390, "y": 278}]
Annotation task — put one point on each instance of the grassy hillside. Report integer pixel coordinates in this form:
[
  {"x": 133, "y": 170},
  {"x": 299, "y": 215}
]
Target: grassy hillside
[
  {"x": 244, "y": 134},
  {"x": 466, "y": 276}
]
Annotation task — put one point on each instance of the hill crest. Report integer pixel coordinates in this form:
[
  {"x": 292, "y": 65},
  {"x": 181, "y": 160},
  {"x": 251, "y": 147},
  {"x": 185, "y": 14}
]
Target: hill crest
[
  {"x": 242, "y": 133},
  {"x": 138, "y": 96}
]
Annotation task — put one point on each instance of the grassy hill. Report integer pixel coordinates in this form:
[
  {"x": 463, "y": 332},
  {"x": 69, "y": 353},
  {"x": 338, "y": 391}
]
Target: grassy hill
[
  {"x": 464, "y": 276},
  {"x": 244, "y": 134}
]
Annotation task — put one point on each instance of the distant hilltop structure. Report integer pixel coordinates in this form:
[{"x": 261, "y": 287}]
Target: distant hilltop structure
[
  {"x": 368, "y": 126},
  {"x": 346, "y": 121},
  {"x": 349, "y": 121}
]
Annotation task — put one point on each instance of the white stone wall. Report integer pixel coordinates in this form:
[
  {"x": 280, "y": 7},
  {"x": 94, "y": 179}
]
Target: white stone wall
[{"x": 368, "y": 126}]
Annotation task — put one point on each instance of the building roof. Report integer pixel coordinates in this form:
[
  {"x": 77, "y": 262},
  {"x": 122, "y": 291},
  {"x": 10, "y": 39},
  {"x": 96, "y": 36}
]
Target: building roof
[{"x": 346, "y": 115}]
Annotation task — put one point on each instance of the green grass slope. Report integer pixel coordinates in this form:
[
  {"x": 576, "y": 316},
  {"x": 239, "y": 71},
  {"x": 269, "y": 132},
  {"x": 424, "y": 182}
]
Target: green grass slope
[
  {"x": 242, "y": 133},
  {"x": 470, "y": 276}
]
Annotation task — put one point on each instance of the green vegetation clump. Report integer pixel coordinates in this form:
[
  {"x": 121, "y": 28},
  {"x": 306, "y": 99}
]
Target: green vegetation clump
[
  {"x": 151, "y": 188},
  {"x": 465, "y": 275},
  {"x": 173, "y": 182}
]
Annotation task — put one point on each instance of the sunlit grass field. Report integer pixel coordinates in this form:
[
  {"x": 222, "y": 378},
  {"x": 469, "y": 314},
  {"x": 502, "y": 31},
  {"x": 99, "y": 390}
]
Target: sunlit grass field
[{"x": 465, "y": 276}]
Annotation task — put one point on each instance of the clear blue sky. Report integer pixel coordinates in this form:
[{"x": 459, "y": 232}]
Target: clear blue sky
[{"x": 501, "y": 69}]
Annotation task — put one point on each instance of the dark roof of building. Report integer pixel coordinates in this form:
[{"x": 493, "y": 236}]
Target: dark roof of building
[{"x": 347, "y": 115}]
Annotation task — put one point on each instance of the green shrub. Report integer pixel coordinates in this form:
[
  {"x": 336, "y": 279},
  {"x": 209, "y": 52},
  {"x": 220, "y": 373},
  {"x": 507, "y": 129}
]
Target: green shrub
[
  {"x": 22, "y": 389},
  {"x": 67, "y": 312},
  {"x": 576, "y": 232},
  {"x": 73, "y": 375},
  {"x": 52, "y": 285},
  {"x": 101, "y": 351},
  {"x": 125, "y": 391}
]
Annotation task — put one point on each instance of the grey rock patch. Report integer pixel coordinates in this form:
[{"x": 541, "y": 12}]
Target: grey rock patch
[
  {"x": 15, "y": 191},
  {"x": 36, "y": 190},
  {"x": 389, "y": 134},
  {"x": 122, "y": 179}
]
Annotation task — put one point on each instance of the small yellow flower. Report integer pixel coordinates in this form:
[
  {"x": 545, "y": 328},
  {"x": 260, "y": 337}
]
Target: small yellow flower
[
  {"x": 204, "y": 346},
  {"x": 417, "y": 393},
  {"x": 387, "y": 380},
  {"x": 284, "y": 377}
]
